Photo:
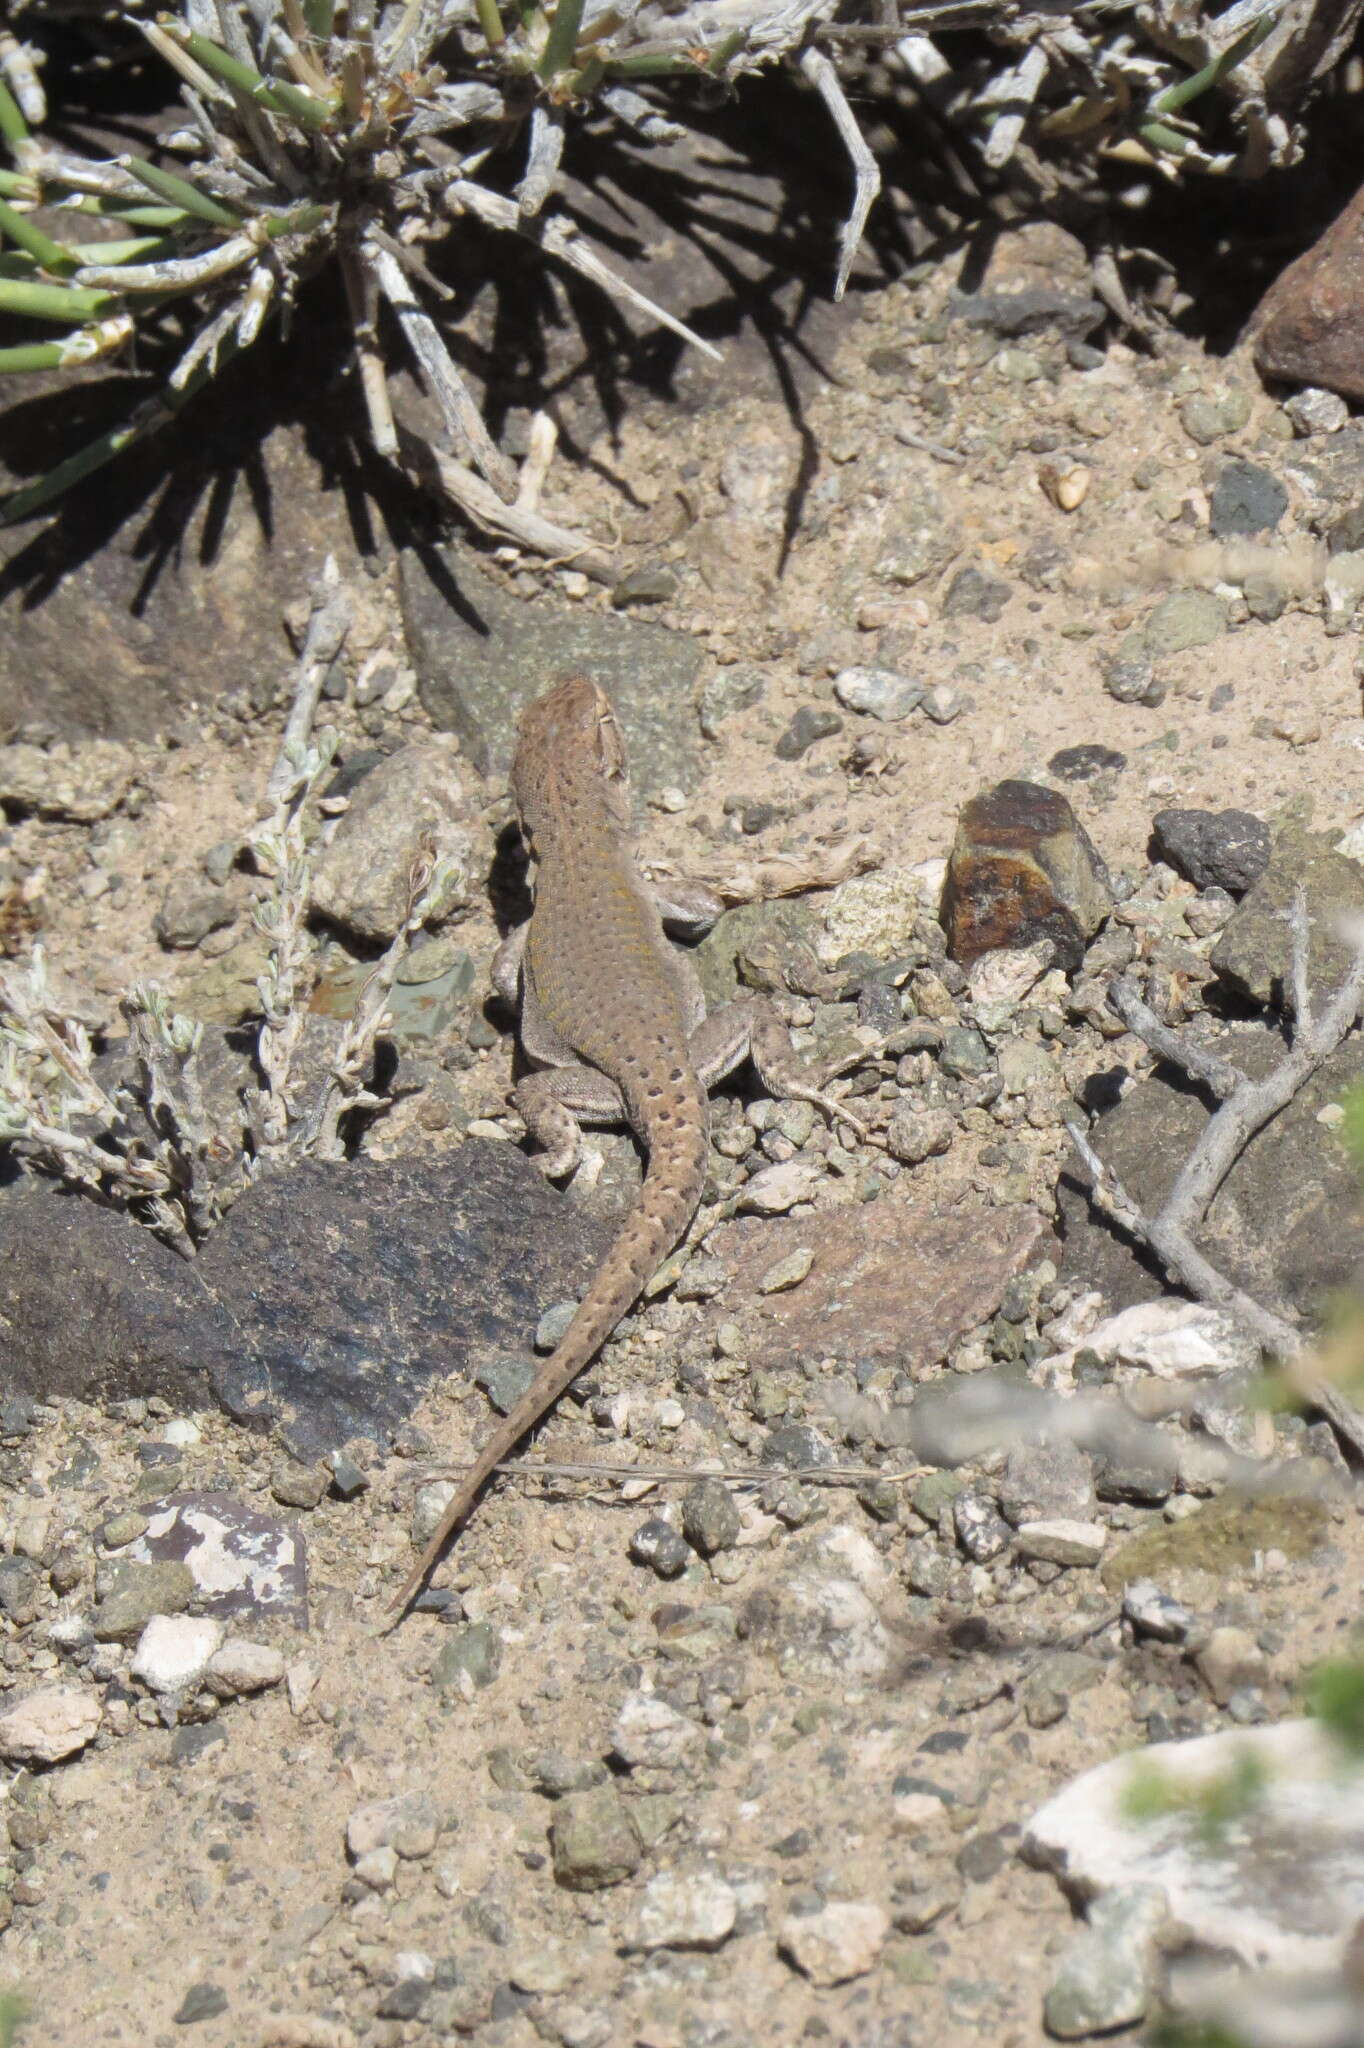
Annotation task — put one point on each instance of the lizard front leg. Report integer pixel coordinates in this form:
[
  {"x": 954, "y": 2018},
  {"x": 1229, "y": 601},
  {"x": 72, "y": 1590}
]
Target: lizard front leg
[{"x": 751, "y": 1029}]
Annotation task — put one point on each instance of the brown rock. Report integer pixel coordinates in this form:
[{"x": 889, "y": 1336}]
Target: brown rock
[
  {"x": 1022, "y": 868},
  {"x": 888, "y": 1280},
  {"x": 1310, "y": 324}
]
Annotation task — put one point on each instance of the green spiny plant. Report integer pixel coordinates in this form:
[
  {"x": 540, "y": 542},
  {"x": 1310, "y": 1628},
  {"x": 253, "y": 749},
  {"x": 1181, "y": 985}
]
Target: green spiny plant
[{"x": 364, "y": 135}]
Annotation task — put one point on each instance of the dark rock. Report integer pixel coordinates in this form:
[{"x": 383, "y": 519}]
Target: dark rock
[
  {"x": 983, "y": 1856},
  {"x": 1246, "y": 499},
  {"x": 241, "y": 1563},
  {"x": 1033, "y": 309},
  {"x": 505, "y": 1380},
  {"x": 200, "y": 2002},
  {"x": 473, "y": 1655},
  {"x": 810, "y": 723},
  {"x": 973, "y": 595},
  {"x": 1213, "y": 849},
  {"x": 1022, "y": 868},
  {"x": 595, "y": 1841},
  {"x": 1310, "y": 323},
  {"x": 710, "y": 1520},
  {"x": 1286, "y": 1223},
  {"x": 1254, "y": 949},
  {"x": 190, "y": 911},
  {"x": 326, "y": 1304},
  {"x": 1078, "y": 764},
  {"x": 657, "y": 1544},
  {"x": 481, "y": 654}
]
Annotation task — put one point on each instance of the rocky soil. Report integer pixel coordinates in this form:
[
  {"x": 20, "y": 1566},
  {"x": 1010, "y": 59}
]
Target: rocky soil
[{"x": 922, "y": 1495}]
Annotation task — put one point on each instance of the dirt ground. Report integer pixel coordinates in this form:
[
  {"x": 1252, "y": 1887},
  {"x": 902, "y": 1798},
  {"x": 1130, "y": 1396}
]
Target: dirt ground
[{"x": 889, "y": 1760}]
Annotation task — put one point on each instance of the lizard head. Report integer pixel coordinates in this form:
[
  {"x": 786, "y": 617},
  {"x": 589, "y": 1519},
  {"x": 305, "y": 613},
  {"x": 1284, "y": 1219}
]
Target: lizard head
[{"x": 568, "y": 737}]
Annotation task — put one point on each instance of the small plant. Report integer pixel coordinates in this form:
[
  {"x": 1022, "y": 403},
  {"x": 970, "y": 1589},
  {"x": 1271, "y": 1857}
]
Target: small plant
[
  {"x": 343, "y": 132},
  {"x": 1335, "y": 1696},
  {"x": 13, "y": 2012},
  {"x": 151, "y": 1146},
  {"x": 1214, "y": 1806}
]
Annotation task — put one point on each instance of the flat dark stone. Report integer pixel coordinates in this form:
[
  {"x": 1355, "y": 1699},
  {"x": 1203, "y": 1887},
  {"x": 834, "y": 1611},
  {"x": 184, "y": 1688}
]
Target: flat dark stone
[
  {"x": 1213, "y": 849},
  {"x": 325, "y": 1306}
]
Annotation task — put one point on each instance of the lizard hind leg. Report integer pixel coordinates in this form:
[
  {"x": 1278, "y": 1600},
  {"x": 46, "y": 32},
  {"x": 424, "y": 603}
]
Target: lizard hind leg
[{"x": 556, "y": 1103}]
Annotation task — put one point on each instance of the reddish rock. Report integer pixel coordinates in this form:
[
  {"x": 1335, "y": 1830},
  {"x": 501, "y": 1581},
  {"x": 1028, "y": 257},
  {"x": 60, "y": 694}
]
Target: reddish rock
[
  {"x": 1022, "y": 868},
  {"x": 887, "y": 1281},
  {"x": 1310, "y": 324}
]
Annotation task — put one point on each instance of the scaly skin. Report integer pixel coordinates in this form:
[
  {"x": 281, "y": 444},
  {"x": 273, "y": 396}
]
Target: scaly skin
[{"x": 614, "y": 1016}]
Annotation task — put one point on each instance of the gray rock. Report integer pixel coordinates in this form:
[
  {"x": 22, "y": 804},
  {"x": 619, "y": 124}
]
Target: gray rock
[
  {"x": 879, "y": 692},
  {"x": 410, "y": 800},
  {"x": 1287, "y": 1220},
  {"x": 327, "y": 1303},
  {"x": 136, "y": 1592},
  {"x": 1061, "y": 1540},
  {"x": 914, "y": 1135},
  {"x": 1253, "y": 951},
  {"x": 973, "y": 595},
  {"x": 471, "y": 1657},
  {"x": 980, "y": 1528},
  {"x": 201, "y": 2002},
  {"x": 1214, "y": 849},
  {"x": 657, "y": 1544},
  {"x": 82, "y": 783},
  {"x": 482, "y": 654},
  {"x": 1315, "y": 411},
  {"x": 1153, "y": 1612},
  {"x": 809, "y": 724},
  {"x": 728, "y": 691},
  {"x": 1184, "y": 620},
  {"x": 299, "y": 1486},
  {"x": 1044, "y": 1481},
  {"x": 965, "y": 1056},
  {"x": 505, "y": 1380},
  {"x": 1107, "y": 1975},
  {"x": 1246, "y": 499},
  {"x": 190, "y": 911},
  {"x": 594, "y": 1840},
  {"x": 710, "y": 1519}
]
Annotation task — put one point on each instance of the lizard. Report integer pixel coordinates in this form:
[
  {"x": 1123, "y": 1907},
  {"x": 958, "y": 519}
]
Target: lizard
[{"x": 613, "y": 1023}]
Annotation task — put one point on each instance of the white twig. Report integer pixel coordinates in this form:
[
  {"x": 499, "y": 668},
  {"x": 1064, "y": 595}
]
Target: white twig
[
  {"x": 542, "y": 160},
  {"x": 328, "y": 624},
  {"x": 544, "y": 439},
  {"x": 472, "y": 439},
  {"x": 528, "y": 529},
  {"x": 866, "y": 172}
]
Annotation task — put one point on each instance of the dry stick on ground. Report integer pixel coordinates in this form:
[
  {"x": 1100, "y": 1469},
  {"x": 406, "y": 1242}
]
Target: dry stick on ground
[{"x": 1245, "y": 1107}]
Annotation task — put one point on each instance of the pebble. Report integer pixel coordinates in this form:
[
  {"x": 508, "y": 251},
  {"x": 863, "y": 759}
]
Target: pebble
[
  {"x": 504, "y": 1380},
  {"x": 973, "y": 595},
  {"x": 980, "y": 1528},
  {"x": 299, "y": 1486},
  {"x": 1214, "y": 849},
  {"x": 648, "y": 1733},
  {"x": 594, "y": 1840},
  {"x": 1044, "y": 1481},
  {"x": 201, "y": 2002},
  {"x": 137, "y": 1592},
  {"x": 810, "y": 724},
  {"x": 1062, "y": 1541},
  {"x": 47, "y": 1725},
  {"x": 662, "y": 1548},
  {"x": 1246, "y": 499},
  {"x": 82, "y": 782},
  {"x": 1208, "y": 417},
  {"x": 1106, "y": 1977},
  {"x": 239, "y": 1667},
  {"x": 710, "y": 1519},
  {"x": 1022, "y": 868},
  {"x": 879, "y": 692},
  {"x": 1315, "y": 411},
  {"x": 1153, "y": 1612},
  {"x": 173, "y": 1651},
  {"x": 775, "y": 1189},
  {"x": 728, "y": 691},
  {"x": 1184, "y": 620},
  {"x": 469, "y": 1661},
  {"x": 841, "y": 1941},
  {"x": 914, "y": 1135},
  {"x": 1230, "y": 1658},
  {"x": 407, "y": 1823},
  {"x": 787, "y": 1272},
  {"x": 377, "y": 1869},
  {"x": 673, "y": 1911}
]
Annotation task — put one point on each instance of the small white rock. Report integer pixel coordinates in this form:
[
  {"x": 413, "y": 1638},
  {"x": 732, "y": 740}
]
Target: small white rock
[
  {"x": 649, "y": 1731},
  {"x": 775, "y": 1189},
  {"x": 683, "y": 1912},
  {"x": 1062, "y": 1541},
  {"x": 242, "y": 1667},
  {"x": 841, "y": 1941},
  {"x": 879, "y": 692},
  {"x": 180, "y": 1430},
  {"x": 407, "y": 1823},
  {"x": 377, "y": 1868},
  {"x": 173, "y": 1651},
  {"x": 48, "y": 1726}
]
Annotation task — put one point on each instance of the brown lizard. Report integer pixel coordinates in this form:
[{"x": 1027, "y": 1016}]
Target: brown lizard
[{"x": 614, "y": 1021}]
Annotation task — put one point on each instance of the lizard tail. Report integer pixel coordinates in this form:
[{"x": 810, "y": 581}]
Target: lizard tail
[{"x": 667, "y": 1202}]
